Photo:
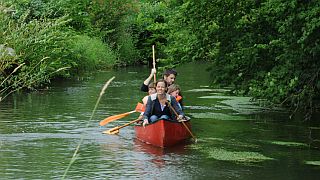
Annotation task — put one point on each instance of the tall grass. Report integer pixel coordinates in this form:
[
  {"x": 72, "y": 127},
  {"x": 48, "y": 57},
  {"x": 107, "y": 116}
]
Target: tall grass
[
  {"x": 60, "y": 38},
  {"x": 39, "y": 46}
]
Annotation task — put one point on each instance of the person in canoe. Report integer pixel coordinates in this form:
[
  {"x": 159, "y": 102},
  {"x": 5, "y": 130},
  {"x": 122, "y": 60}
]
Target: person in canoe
[
  {"x": 169, "y": 76},
  {"x": 157, "y": 107},
  {"x": 151, "y": 90},
  {"x": 175, "y": 91}
]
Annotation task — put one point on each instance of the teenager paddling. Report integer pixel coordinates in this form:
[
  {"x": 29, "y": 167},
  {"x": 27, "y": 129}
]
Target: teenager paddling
[{"x": 169, "y": 76}]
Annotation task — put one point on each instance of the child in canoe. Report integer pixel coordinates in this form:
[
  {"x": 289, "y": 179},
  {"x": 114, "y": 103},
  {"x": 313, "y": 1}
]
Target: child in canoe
[
  {"x": 151, "y": 90},
  {"x": 175, "y": 91}
]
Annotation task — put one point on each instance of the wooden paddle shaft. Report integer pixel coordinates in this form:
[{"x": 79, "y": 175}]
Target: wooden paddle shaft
[
  {"x": 154, "y": 62},
  {"x": 122, "y": 126},
  {"x": 184, "y": 124}
]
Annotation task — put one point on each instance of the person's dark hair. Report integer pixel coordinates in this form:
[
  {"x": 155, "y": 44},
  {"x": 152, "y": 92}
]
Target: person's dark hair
[
  {"x": 162, "y": 80},
  {"x": 170, "y": 71}
]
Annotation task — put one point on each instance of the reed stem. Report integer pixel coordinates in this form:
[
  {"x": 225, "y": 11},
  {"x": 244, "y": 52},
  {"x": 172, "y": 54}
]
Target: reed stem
[{"x": 75, "y": 154}]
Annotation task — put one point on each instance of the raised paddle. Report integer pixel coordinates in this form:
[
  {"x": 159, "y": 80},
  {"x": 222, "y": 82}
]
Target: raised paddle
[
  {"x": 154, "y": 63},
  {"x": 115, "y": 130},
  {"x": 184, "y": 124},
  {"x": 139, "y": 108}
]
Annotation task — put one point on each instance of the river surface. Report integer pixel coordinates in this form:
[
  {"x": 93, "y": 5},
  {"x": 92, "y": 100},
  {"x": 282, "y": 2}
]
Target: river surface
[{"x": 236, "y": 139}]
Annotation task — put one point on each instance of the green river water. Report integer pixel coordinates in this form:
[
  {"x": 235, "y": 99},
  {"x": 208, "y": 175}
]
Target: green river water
[{"x": 237, "y": 139}]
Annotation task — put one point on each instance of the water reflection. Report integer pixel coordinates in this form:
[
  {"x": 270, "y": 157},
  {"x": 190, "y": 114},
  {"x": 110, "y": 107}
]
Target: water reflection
[{"x": 158, "y": 154}]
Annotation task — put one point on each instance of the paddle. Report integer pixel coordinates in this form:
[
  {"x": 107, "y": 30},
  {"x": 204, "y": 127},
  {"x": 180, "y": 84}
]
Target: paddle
[
  {"x": 115, "y": 130},
  {"x": 184, "y": 124},
  {"x": 139, "y": 108},
  {"x": 154, "y": 63}
]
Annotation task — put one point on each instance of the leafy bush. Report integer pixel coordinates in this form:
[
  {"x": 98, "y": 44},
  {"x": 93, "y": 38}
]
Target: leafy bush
[{"x": 91, "y": 53}]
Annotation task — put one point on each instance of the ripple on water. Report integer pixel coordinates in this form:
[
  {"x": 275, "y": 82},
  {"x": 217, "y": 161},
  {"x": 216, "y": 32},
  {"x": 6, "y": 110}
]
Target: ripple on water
[{"x": 34, "y": 136}]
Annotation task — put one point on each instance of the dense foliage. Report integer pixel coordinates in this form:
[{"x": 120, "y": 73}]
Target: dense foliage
[
  {"x": 52, "y": 38},
  {"x": 268, "y": 49},
  {"x": 263, "y": 48}
]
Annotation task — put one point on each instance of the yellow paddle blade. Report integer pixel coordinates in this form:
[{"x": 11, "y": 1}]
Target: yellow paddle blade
[{"x": 114, "y": 130}]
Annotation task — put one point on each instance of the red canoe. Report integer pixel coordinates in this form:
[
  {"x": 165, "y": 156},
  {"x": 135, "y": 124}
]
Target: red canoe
[{"x": 163, "y": 133}]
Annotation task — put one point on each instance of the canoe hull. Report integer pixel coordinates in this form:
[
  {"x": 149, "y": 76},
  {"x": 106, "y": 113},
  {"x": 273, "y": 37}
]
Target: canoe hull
[{"x": 163, "y": 133}]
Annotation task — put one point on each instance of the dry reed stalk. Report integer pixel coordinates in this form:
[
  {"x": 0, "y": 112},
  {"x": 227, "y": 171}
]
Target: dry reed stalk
[
  {"x": 75, "y": 154},
  {"x": 15, "y": 69},
  {"x": 2, "y": 91}
]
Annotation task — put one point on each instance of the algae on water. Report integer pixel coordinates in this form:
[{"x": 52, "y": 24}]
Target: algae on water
[
  {"x": 200, "y": 90},
  {"x": 315, "y": 163},
  {"x": 233, "y": 156},
  {"x": 247, "y": 157},
  {"x": 209, "y": 90},
  {"x": 242, "y": 105},
  {"x": 218, "y": 116},
  {"x": 290, "y": 144}
]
